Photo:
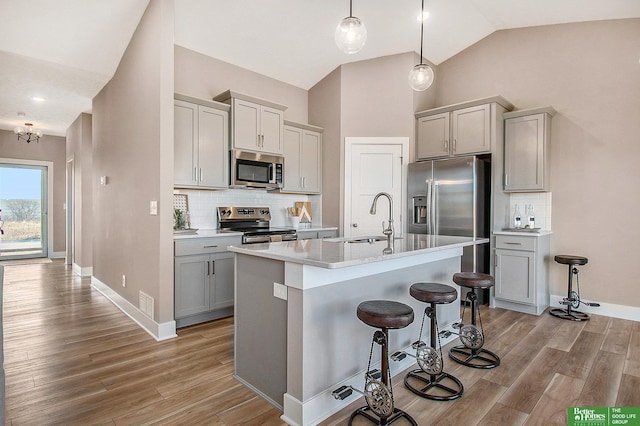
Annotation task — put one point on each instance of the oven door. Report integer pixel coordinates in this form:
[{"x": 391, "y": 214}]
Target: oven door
[{"x": 249, "y": 169}]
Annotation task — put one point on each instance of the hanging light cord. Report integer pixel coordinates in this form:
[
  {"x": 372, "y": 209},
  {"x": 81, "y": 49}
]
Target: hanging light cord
[
  {"x": 421, "y": 30},
  {"x": 351, "y": 8}
]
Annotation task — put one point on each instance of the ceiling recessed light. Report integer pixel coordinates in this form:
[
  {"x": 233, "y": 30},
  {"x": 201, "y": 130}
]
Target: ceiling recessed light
[{"x": 37, "y": 98}]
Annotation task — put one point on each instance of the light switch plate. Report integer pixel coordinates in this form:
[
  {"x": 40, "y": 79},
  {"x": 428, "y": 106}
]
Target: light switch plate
[
  {"x": 153, "y": 208},
  {"x": 280, "y": 291}
]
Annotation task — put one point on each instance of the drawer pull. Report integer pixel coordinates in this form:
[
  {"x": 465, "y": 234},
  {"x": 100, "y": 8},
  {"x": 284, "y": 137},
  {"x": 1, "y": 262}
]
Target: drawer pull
[
  {"x": 210, "y": 246},
  {"x": 513, "y": 244}
]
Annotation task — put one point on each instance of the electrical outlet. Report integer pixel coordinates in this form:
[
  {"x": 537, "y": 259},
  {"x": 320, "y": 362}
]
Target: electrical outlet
[
  {"x": 124, "y": 281},
  {"x": 280, "y": 291},
  {"x": 153, "y": 208}
]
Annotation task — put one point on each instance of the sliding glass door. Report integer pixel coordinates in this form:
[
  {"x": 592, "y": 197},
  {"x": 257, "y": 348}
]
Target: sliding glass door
[{"x": 23, "y": 205}]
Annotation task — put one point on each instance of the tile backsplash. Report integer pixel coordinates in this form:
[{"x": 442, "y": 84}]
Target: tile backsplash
[
  {"x": 203, "y": 204},
  {"x": 541, "y": 202}
]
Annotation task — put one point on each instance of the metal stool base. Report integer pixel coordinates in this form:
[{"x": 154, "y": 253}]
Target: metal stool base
[
  {"x": 434, "y": 381},
  {"x": 397, "y": 414},
  {"x": 569, "y": 314},
  {"x": 475, "y": 358}
]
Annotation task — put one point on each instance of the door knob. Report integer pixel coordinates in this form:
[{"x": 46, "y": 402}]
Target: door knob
[{"x": 355, "y": 225}]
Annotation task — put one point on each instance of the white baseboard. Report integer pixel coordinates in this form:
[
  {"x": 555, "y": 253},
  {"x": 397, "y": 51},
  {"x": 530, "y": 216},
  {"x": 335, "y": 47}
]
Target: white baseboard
[
  {"x": 159, "y": 331},
  {"x": 87, "y": 271},
  {"x": 58, "y": 255},
  {"x": 607, "y": 309}
]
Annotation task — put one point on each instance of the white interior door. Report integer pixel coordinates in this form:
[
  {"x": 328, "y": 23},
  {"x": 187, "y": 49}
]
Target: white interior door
[{"x": 373, "y": 165}]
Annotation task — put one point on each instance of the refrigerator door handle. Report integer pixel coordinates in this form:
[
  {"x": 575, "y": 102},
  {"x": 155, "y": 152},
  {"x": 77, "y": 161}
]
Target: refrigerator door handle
[
  {"x": 429, "y": 206},
  {"x": 434, "y": 204}
]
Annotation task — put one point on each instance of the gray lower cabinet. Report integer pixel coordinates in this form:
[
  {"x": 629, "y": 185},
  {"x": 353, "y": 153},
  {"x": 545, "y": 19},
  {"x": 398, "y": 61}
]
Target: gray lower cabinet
[
  {"x": 521, "y": 273},
  {"x": 203, "y": 281}
]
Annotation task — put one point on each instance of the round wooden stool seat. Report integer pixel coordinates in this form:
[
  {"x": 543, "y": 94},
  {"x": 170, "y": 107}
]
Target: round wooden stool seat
[
  {"x": 568, "y": 259},
  {"x": 385, "y": 314},
  {"x": 473, "y": 280},
  {"x": 433, "y": 292}
]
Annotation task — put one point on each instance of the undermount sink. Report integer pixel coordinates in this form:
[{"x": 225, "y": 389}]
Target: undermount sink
[{"x": 367, "y": 239}]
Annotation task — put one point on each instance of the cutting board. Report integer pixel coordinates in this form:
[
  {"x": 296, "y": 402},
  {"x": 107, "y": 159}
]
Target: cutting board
[{"x": 304, "y": 209}]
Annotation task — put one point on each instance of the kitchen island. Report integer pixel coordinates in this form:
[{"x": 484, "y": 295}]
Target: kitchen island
[{"x": 297, "y": 336}]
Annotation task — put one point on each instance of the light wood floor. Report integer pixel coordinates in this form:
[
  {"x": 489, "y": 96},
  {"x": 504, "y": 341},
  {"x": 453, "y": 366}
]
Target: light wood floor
[{"x": 71, "y": 357}]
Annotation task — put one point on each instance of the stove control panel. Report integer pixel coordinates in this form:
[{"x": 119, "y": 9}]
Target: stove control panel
[{"x": 244, "y": 213}]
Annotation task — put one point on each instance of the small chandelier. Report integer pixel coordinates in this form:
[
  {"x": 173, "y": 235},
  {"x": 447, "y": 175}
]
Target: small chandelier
[
  {"x": 351, "y": 34},
  {"x": 28, "y": 133},
  {"x": 421, "y": 76}
]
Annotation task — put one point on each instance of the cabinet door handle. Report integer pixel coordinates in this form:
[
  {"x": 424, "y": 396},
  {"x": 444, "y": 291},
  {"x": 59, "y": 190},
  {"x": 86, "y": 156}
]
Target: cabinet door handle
[
  {"x": 262, "y": 141},
  {"x": 258, "y": 141},
  {"x": 454, "y": 145},
  {"x": 304, "y": 182},
  {"x": 213, "y": 267},
  {"x": 195, "y": 174},
  {"x": 208, "y": 268},
  {"x": 210, "y": 246},
  {"x": 201, "y": 174},
  {"x": 446, "y": 145},
  {"x": 506, "y": 179}
]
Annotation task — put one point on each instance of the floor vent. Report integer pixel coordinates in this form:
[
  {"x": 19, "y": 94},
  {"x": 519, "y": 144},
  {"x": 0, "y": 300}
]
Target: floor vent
[{"x": 146, "y": 304}]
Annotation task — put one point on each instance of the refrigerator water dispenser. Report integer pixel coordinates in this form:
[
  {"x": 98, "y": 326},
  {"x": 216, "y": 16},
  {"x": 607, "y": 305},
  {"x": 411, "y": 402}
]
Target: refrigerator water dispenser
[{"x": 420, "y": 210}]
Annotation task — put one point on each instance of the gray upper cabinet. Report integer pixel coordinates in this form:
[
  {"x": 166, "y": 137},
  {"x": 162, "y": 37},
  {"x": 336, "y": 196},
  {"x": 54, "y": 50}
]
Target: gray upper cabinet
[
  {"x": 526, "y": 150},
  {"x": 201, "y": 139},
  {"x": 459, "y": 129},
  {"x": 303, "y": 158},
  {"x": 256, "y": 125}
]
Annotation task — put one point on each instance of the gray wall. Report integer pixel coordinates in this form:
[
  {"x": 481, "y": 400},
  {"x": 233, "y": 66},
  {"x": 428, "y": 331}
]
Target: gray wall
[
  {"x": 589, "y": 73},
  {"x": 133, "y": 147},
  {"x": 366, "y": 98},
  {"x": 79, "y": 149},
  {"x": 204, "y": 77},
  {"x": 49, "y": 148},
  {"x": 325, "y": 110}
]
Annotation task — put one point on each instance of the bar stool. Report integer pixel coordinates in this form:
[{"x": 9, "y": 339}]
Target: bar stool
[
  {"x": 385, "y": 315},
  {"x": 471, "y": 352},
  {"x": 573, "y": 298},
  {"x": 430, "y": 377}
]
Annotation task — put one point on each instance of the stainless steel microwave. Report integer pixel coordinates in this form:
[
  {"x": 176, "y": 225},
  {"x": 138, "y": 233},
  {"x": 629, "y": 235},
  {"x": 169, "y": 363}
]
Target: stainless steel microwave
[{"x": 256, "y": 170}]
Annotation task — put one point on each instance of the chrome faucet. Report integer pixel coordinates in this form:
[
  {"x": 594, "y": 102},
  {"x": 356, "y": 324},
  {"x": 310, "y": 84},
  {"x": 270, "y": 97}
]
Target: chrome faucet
[{"x": 388, "y": 231}]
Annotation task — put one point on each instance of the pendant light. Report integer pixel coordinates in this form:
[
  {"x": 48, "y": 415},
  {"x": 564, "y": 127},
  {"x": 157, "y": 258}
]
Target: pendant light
[
  {"x": 421, "y": 76},
  {"x": 351, "y": 34}
]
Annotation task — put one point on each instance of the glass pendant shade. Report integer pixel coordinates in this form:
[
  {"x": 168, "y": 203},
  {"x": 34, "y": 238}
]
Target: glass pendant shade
[
  {"x": 351, "y": 35},
  {"x": 421, "y": 77}
]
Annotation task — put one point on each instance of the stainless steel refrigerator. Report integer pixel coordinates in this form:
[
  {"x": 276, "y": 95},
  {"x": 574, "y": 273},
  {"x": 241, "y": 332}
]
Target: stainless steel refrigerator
[{"x": 452, "y": 197}]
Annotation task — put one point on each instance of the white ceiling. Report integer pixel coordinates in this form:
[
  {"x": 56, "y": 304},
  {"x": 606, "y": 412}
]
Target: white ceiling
[{"x": 67, "y": 50}]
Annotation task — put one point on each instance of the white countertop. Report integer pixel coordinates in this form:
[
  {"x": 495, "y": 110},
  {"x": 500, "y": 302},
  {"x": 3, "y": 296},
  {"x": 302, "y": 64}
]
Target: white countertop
[
  {"x": 524, "y": 233},
  {"x": 328, "y": 254},
  {"x": 207, "y": 233}
]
